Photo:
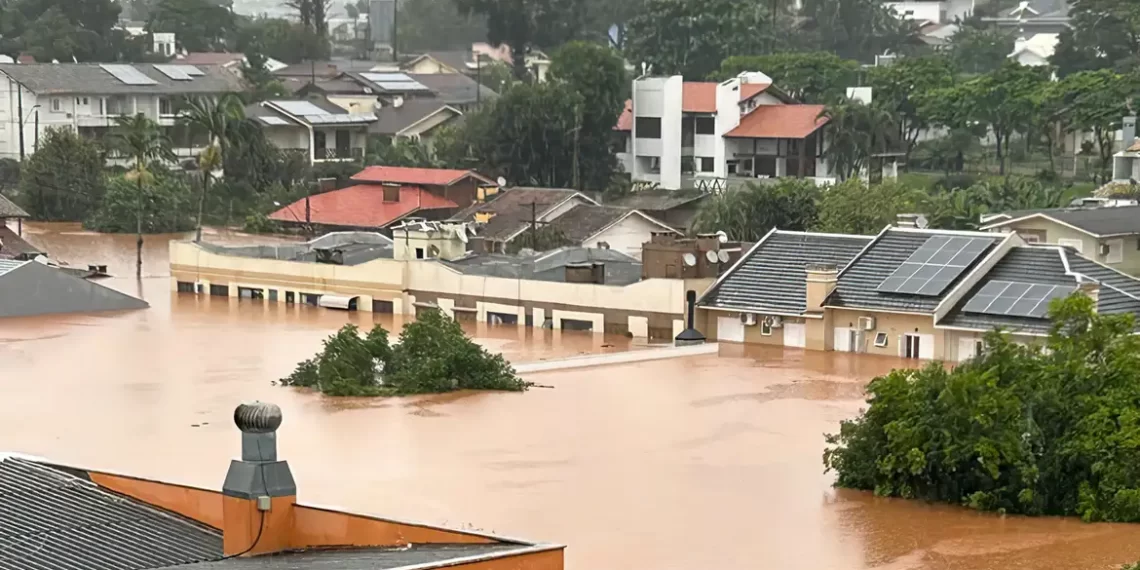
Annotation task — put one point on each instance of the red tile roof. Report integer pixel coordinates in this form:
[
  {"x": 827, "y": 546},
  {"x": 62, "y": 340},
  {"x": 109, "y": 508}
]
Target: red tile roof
[
  {"x": 361, "y": 206},
  {"x": 779, "y": 122},
  {"x": 424, "y": 176},
  {"x": 696, "y": 97}
]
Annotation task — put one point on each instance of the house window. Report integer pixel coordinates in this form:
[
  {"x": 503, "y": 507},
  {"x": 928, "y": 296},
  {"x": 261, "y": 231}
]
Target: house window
[
  {"x": 705, "y": 126},
  {"x": 419, "y": 253},
  {"x": 1076, "y": 244},
  {"x": 705, "y": 163},
  {"x": 319, "y": 141},
  {"x": 116, "y": 105},
  {"x": 979, "y": 347},
  {"x": 220, "y": 290},
  {"x": 1031, "y": 238},
  {"x": 1115, "y": 251},
  {"x": 648, "y": 127},
  {"x": 185, "y": 287},
  {"x": 290, "y": 298},
  {"x": 165, "y": 109},
  {"x": 56, "y": 104},
  {"x": 881, "y": 339},
  {"x": 912, "y": 347},
  {"x": 766, "y": 327},
  {"x": 386, "y": 307}
]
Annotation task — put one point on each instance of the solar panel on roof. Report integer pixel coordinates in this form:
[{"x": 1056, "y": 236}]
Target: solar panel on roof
[
  {"x": 275, "y": 121},
  {"x": 127, "y": 74},
  {"x": 934, "y": 265},
  {"x": 1015, "y": 299},
  {"x": 300, "y": 108},
  {"x": 191, "y": 70},
  {"x": 394, "y": 81},
  {"x": 173, "y": 71}
]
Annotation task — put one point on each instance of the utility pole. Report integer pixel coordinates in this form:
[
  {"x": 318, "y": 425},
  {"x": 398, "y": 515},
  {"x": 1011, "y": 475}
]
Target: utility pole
[
  {"x": 308, "y": 212},
  {"x": 20, "y": 114},
  {"x": 478, "y": 79}
]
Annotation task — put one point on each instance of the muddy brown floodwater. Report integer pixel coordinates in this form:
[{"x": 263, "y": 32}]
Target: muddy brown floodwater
[{"x": 699, "y": 463}]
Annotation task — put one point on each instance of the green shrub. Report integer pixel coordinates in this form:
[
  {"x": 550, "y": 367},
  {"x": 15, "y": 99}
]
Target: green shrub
[
  {"x": 434, "y": 355},
  {"x": 1039, "y": 430},
  {"x": 167, "y": 205}
]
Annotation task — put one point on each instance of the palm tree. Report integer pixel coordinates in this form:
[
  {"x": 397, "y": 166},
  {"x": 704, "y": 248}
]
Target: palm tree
[
  {"x": 218, "y": 118},
  {"x": 143, "y": 140},
  {"x": 857, "y": 131}
]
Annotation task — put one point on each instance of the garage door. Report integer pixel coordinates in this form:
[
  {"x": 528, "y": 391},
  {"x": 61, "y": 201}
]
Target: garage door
[
  {"x": 795, "y": 334},
  {"x": 729, "y": 329}
]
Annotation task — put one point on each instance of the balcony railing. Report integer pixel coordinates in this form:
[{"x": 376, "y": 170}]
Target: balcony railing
[{"x": 338, "y": 154}]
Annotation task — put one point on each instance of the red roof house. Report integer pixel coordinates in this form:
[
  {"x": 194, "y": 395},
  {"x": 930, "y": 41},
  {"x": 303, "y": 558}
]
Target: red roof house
[
  {"x": 366, "y": 206},
  {"x": 459, "y": 186}
]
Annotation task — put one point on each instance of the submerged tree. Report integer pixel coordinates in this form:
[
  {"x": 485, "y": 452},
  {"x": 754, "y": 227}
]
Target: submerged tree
[
  {"x": 143, "y": 141},
  {"x": 747, "y": 213}
]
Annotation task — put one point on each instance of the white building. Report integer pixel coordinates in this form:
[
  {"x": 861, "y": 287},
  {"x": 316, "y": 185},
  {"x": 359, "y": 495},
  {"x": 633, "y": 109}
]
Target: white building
[
  {"x": 679, "y": 132},
  {"x": 318, "y": 129},
  {"x": 1036, "y": 50},
  {"x": 932, "y": 11},
  {"x": 87, "y": 97},
  {"x": 1126, "y": 163}
]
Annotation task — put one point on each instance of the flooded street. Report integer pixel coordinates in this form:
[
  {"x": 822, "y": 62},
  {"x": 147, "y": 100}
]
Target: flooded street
[{"x": 704, "y": 462}]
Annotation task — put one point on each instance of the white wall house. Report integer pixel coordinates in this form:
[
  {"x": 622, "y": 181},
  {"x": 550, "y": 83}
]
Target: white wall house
[
  {"x": 680, "y": 132},
  {"x": 87, "y": 97},
  {"x": 1126, "y": 163}
]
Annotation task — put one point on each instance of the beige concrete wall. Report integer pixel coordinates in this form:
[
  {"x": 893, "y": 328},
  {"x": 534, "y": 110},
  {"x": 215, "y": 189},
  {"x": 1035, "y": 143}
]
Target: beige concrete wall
[
  {"x": 380, "y": 279},
  {"x": 424, "y": 127},
  {"x": 626, "y": 236},
  {"x": 354, "y": 103},
  {"x": 404, "y": 244},
  {"x": 894, "y": 324}
]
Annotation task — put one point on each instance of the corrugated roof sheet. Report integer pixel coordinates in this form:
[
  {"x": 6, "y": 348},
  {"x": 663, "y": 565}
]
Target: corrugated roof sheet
[
  {"x": 659, "y": 200},
  {"x": 585, "y": 220},
  {"x": 858, "y": 283},
  {"x": 7, "y": 265},
  {"x": 780, "y": 121},
  {"x": 53, "y": 520},
  {"x": 772, "y": 277},
  {"x": 59, "y": 78}
]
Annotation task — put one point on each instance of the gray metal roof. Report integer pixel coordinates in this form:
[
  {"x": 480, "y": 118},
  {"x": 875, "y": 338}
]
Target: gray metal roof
[
  {"x": 391, "y": 120},
  {"x": 620, "y": 269},
  {"x": 36, "y": 289},
  {"x": 1045, "y": 265},
  {"x": 356, "y": 248},
  {"x": 52, "y": 520},
  {"x": 363, "y": 558},
  {"x": 512, "y": 209},
  {"x": 9, "y": 209},
  {"x": 1121, "y": 220},
  {"x": 858, "y": 283},
  {"x": 585, "y": 220},
  {"x": 772, "y": 278},
  {"x": 7, "y": 265},
  {"x": 455, "y": 88},
  {"x": 89, "y": 78}
]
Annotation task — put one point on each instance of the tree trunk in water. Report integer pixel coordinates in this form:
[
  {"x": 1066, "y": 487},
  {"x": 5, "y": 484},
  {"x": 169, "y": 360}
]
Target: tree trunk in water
[
  {"x": 202, "y": 205},
  {"x": 138, "y": 226},
  {"x": 1000, "y": 156}
]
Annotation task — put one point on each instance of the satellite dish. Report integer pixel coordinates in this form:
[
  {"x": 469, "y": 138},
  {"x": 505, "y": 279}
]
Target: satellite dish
[
  {"x": 502, "y": 181},
  {"x": 721, "y": 236},
  {"x": 921, "y": 222},
  {"x": 723, "y": 256},
  {"x": 711, "y": 256},
  {"x": 689, "y": 259}
]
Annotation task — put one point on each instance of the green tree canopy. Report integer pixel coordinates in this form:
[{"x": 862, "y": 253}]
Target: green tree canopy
[
  {"x": 596, "y": 74},
  {"x": 976, "y": 49},
  {"x": 1037, "y": 430},
  {"x": 60, "y": 29},
  {"x": 854, "y": 207},
  {"x": 809, "y": 77},
  {"x": 167, "y": 206},
  {"x": 896, "y": 89},
  {"x": 435, "y": 25},
  {"x": 528, "y": 24},
  {"x": 198, "y": 25},
  {"x": 693, "y": 37},
  {"x": 856, "y": 132},
  {"x": 1096, "y": 102},
  {"x": 1102, "y": 34},
  {"x": 63, "y": 180},
  {"x": 855, "y": 29},
  {"x": 748, "y": 213}
]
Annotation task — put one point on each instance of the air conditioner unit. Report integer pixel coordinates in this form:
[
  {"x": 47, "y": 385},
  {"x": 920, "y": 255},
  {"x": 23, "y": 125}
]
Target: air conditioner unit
[
  {"x": 773, "y": 321},
  {"x": 748, "y": 319},
  {"x": 866, "y": 323},
  {"x": 1105, "y": 249}
]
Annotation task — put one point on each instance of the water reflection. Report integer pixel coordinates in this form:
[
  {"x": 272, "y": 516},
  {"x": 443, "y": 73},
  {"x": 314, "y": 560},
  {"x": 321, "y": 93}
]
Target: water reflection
[{"x": 706, "y": 462}]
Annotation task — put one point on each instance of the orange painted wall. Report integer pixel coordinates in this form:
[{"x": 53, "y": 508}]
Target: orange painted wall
[
  {"x": 319, "y": 527},
  {"x": 547, "y": 560},
  {"x": 202, "y": 505},
  {"x": 244, "y": 523}
]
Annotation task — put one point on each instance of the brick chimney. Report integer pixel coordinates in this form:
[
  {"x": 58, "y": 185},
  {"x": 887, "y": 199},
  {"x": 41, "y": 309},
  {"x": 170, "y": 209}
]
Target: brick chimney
[
  {"x": 821, "y": 280},
  {"x": 259, "y": 492},
  {"x": 1090, "y": 289}
]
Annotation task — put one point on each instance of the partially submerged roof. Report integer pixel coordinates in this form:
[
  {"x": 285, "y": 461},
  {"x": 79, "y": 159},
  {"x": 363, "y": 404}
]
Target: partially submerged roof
[
  {"x": 1097, "y": 222},
  {"x": 9, "y": 209},
  {"x": 771, "y": 278},
  {"x": 360, "y": 206},
  {"x": 144, "y": 78},
  {"x": 584, "y": 221},
  {"x": 780, "y": 122},
  {"x": 422, "y": 176},
  {"x": 421, "y": 556},
  {"x": 859, "y": 284},
  {"x": 1045, "y": 265},
  {"x": 32, "y": 288},
  {"x": 512, "y": 208},
  {"x": 354, "y": 248},
  {"x": 619, "y": 268}
]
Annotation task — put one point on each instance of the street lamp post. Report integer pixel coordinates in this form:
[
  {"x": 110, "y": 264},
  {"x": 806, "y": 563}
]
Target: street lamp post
[{"x": 24, "y": 122}]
